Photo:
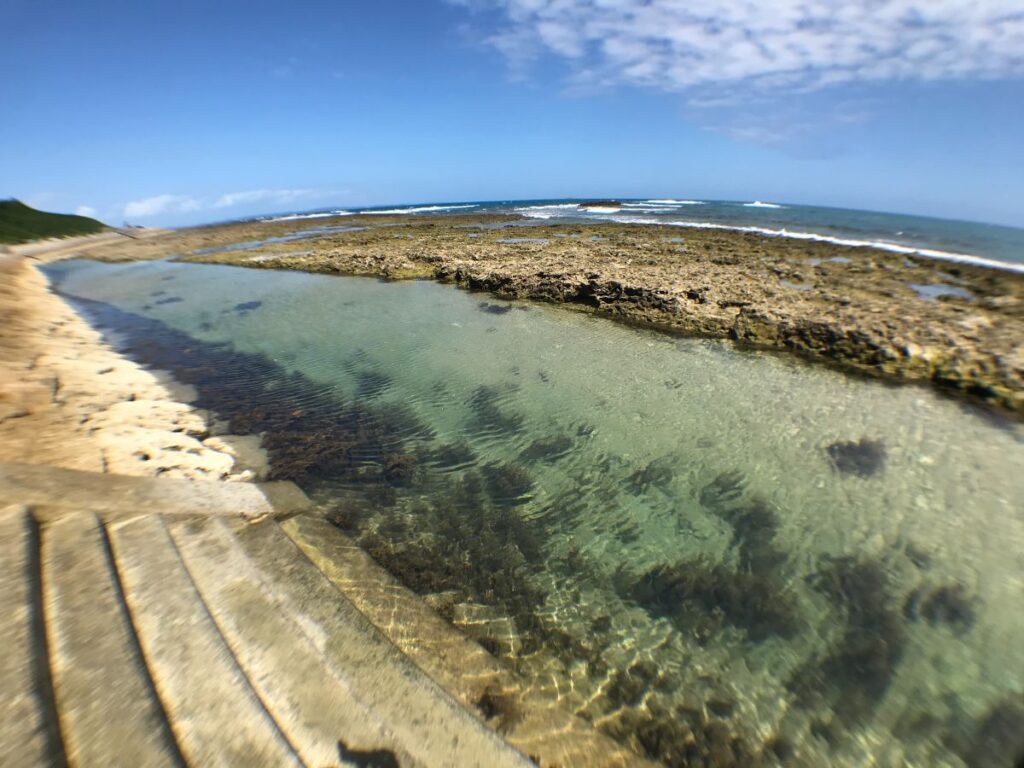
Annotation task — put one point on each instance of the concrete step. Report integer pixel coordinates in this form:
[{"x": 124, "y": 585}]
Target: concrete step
[
  {"x": 532, "y": 721},
  {"x": 109, "y": 713},
  {"x": 28, "y": 728},
  {"x": 422, "y": 717},
  {"x": 216, "y": 717},
  {"x": 314, "y": 708},
  {"x": 52, "y": 492}
]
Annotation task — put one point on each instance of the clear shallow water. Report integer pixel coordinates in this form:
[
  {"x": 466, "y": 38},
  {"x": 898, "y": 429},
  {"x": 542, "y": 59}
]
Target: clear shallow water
[
  {"x": 691, "y": 544},
  {"x": 940, "y": 238}
]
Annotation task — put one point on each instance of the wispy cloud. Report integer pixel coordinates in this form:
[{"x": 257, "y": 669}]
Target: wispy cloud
[
  {"x": 796, "y": 45},
  {"x": 231, "y": 199},
  {"x": 87, "y": 210},
  {"x": 160, "y": 205}
]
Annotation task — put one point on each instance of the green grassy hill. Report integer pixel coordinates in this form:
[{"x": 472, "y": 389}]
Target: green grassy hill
[{"x": 20, "y": 223}]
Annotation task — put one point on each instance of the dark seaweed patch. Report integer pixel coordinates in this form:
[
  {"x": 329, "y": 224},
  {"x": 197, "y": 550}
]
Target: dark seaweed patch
[
  {"x": 682, "y": 737},
  {"x": 168, "y": 300},
  {"x": 451, "y": 456},
  {"x": 858, "y": 671},
  {"x": 861, "y": 459},
  {"x": 995, "y": 741},
  {"x": 499, "y": 708},
  {"x": 488, "y": 415},
  {"x": 658, "y": 473},
  {"x": 547, "y": 449},
  {"x": 753, "y": 535},
  {"x": 724, "y": 489},
  {"x": 948, "y": 604},
  {"x": 507, "y": 484},
  {"x": 247, "y": 306},
  {"x": 697, "y": 596},
  {"x": 627, "y": 687}
]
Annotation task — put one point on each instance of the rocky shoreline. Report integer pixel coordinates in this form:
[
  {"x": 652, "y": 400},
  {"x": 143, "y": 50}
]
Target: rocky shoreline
[{"x": 957, "y": 326}]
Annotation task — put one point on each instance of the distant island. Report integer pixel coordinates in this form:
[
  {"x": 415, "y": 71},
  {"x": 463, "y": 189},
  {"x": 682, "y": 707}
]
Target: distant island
[{"x": 20, "y": 223}]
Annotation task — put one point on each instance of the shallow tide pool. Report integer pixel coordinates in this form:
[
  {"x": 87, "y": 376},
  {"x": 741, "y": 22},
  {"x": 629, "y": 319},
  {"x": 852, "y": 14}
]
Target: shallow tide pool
[{"x": 718, "y": 556}]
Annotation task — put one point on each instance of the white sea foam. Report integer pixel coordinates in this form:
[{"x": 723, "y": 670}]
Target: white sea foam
[
  {"x": 962, "y": 258},
  {"x": 647, "y": 208},
  {"x": 547, "y": 211},
  {"x": 297, "y": 216},
  {"x": 420, "y": 209},
  {"x": 675, "y": 202},
  {"x": 759, "y": 204}
]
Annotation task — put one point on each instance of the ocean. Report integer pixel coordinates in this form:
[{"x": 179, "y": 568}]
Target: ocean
[{"x": 964, "y": 241}]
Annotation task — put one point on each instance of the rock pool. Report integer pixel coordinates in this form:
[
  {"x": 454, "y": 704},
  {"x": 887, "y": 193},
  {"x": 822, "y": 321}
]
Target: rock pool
[{"x": 718, "y": 556}]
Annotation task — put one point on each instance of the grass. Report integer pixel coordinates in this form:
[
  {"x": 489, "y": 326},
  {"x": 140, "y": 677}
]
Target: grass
[{"x": 20, "y": 223}]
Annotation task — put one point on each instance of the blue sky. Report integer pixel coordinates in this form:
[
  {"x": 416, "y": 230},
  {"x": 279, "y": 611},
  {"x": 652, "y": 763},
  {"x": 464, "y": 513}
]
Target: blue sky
[{"x": 174, "y": 113}]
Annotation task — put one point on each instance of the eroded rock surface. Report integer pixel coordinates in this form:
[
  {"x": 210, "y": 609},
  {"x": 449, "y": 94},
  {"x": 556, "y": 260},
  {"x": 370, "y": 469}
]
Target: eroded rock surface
[{"x": 853, "y": 306}]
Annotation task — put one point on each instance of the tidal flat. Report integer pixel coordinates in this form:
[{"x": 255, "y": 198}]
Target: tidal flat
[
  {"x": 718, "y": 556},
  {"x": 956, "y": 326}
]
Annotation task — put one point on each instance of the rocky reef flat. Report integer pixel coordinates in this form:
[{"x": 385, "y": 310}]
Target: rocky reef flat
[{"x": 956, "y": 325}]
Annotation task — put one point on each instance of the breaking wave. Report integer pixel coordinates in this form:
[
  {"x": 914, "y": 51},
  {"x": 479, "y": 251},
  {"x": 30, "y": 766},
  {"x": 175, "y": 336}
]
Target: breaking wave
[{"x": 881, "y": 245}]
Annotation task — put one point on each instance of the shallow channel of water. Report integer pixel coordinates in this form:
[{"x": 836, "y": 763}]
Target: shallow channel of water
[{"x": 714, "y": 554}]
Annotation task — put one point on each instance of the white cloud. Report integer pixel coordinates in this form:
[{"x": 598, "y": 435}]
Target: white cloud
[
  {"x": 231, "y": 199},
  {"x": 695, "y": 45},
  {"x": 87, "y": 210},
  {"x": 153, "y": 206}
]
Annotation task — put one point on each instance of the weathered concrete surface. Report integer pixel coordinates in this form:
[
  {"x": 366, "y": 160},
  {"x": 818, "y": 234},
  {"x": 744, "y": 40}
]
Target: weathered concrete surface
[
  {"x": 313, "y": 671},
  {"x": 216, "y": 717},
  {"x": 28, "y": 735},
  {"x": 108, "y": 710},
  {"x": 112, "y": 496},
  {"x": 850, "y": 306}
]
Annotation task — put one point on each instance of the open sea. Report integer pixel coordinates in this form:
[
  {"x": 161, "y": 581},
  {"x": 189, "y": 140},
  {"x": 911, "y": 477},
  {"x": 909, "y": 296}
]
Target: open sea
[{"x": 989, "y": 244}]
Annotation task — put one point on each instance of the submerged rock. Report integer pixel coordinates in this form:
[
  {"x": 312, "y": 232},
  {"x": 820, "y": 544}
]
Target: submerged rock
[{"x": 494, "y": 309}]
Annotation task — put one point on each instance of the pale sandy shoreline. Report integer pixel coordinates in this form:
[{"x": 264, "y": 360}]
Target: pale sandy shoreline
[{"x": 69, "y": 400}]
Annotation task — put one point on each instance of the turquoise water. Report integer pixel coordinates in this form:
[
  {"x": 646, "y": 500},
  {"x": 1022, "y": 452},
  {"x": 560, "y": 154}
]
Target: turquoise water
[
  {"x": 940, "y": 238},
  {"x": 705, "y": 551}
]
